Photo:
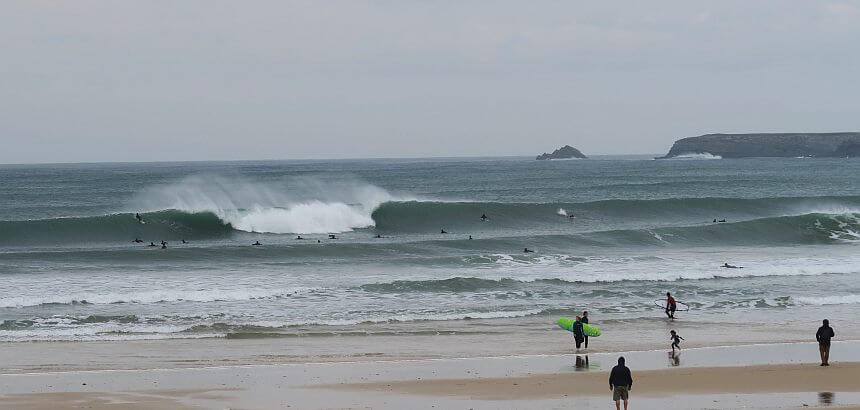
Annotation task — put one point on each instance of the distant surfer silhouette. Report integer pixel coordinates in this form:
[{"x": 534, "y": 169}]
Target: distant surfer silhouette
[
  {"x": 138, "y": 217},
  {"x": 721, "y": 220},
  {"x": 470, "y": 237},
  {"x": 183, "y": 241},
  {"x": 527, "y": 250},
  {"x": 332, "y": 236},
  {"x": 163, "y": 246},
  {"x": 378, "y": 236},
  {"x": 299, "y": 237},
  {"x": 137, "y": 240},
  {"x": 443, "y": 230},
  {"x": 256, "y": 243},
  {"x": 726, "y": 265},
  {"x": 484, "y": 217},
  {"x": 163, "y": 243},
  {"x": 152, "y": 244}
]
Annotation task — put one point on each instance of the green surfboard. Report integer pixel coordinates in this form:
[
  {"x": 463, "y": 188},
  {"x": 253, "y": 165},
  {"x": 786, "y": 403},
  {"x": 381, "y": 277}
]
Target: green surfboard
[{"x": 566, "y": 323}]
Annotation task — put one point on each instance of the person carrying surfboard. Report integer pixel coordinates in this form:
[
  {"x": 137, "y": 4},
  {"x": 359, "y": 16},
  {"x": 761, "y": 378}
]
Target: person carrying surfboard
[
  {"x": 671, "y": 306},
  {"x": 584, "y": 320},
  {"x": 578, "y": 335}
]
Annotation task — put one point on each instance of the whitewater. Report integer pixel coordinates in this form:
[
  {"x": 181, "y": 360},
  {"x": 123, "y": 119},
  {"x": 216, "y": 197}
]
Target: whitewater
[{"x": 358, "y": 245}]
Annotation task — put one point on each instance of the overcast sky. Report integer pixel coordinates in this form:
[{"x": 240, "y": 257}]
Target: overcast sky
[{"x": 195, "y": 80}]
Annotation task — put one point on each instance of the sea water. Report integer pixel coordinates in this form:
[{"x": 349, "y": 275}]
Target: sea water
[{"x": 610, "y": 235}]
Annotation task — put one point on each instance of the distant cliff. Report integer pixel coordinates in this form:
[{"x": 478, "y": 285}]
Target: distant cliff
[
  {"x": 835, "y": 144},
  {"x": 565, "y": 152}
]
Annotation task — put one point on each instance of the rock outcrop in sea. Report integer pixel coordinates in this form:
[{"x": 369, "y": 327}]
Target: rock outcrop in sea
[
  {"x": 834, "y": 144},
  {"x": 565, "y": 152}
]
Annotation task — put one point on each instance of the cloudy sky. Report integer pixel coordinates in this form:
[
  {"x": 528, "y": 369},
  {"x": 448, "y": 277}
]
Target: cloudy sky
[{"x": 151, "y": 80}]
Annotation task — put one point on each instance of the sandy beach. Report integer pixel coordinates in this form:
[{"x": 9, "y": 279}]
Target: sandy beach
[{"x": 752, "y": 376}]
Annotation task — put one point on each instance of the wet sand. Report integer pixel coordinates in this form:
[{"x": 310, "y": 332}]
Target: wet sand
[
  {"x": 661, "y": 383},
  {"x": 757, "y": 376}
]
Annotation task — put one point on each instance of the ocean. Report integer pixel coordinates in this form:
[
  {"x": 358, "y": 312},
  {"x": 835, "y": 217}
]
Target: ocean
[{"x": 610, "y": 235}]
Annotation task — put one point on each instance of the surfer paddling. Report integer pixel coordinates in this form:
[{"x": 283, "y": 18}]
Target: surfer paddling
[
  {"x": 727, "y": 266},
  {"x": 671, "y": 306}
]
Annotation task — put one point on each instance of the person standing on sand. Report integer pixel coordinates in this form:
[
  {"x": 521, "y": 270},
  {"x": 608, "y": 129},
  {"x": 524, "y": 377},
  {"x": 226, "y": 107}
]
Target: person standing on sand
[
  {"x": 577, "y": 332},
  {"x": 620, "y": 383},
  {"x": 823, "y": 335},
  {"x": 584, "y": 320}
]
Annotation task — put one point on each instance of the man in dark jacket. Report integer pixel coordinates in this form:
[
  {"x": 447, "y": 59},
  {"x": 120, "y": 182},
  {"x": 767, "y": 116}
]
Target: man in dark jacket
[
  {"x": 823, "y": 335},
  {"x": 620, "y": 382}
]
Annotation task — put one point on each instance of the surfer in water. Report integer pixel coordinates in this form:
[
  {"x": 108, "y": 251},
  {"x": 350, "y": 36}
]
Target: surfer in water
[
  {"x": 164, "y": 246},
  {"x": 299, "y": 237},
  {"x": 584, "y": 320},
  {"x": 184, "y": 241},
  {"x": 671, "y": 306},
  {"x": 676, "y": 340},
  {"x": 137, "y": 240},
  {"x": 152, "y": 244},
  {"x": 257, "y": 243},
  {"x": 578, "y": 335},
  {"x": 527, "y": 250},
  {"x": 138, "y": 217},
  {"x": 442, "y": 231},
  {"x": 332, "y": 236},
  {"x": 470, "y": 237},
  {"x": 378, "y": 236},
  {"x": 484, "y": 218},
  {"x": 727, "y": 266}
]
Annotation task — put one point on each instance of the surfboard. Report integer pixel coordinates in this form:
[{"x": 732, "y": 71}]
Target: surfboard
[
  {"x": 589, "y": 330},
  {"x": 679, "y": 306}
]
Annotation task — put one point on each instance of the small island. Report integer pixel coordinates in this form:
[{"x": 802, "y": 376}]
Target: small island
[
  {"x": 785, "y": 145},
  {"x": 565, "y": 152}
]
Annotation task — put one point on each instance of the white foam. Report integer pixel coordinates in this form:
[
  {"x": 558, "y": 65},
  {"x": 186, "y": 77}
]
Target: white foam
[
  {"x": 292, "y": 205},
  {"x": 561, "y": 211},
  {"x": 829, "y": 300},
  {"x": 156, "y": 296},
  {"x": 696, "y": 155}
]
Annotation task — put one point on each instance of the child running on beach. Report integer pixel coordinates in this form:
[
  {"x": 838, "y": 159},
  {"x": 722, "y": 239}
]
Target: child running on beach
[{"x": 676, "y": 340}]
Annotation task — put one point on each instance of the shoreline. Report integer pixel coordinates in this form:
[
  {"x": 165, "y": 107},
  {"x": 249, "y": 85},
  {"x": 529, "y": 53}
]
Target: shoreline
[{"x": 772, "y": 375}]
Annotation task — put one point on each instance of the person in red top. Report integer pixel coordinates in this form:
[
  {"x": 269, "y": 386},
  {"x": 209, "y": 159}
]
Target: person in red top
[{"x": 670, "y": 306}]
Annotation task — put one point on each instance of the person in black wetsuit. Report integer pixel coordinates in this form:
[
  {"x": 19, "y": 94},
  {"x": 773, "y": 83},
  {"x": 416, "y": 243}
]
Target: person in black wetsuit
[
  {"x": 584, "y": 320},
  {"x": 257, "y": 243},
  {"x": 442, "y": 230},
  {"x": 484, "y": 217},
  {"x": 527, "y": 250},
  {"x": 138, "y": 217},
  {"x": 137, "y": 240},
  {"x": 620, "y": 382},
  {"x": 577, "y": 332},
  {"x": 823, "y": 336},
  {"x": 727, "y": 266},
  {"x": 152, "y": 244},
  {"x": 676, "y": 340}
]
